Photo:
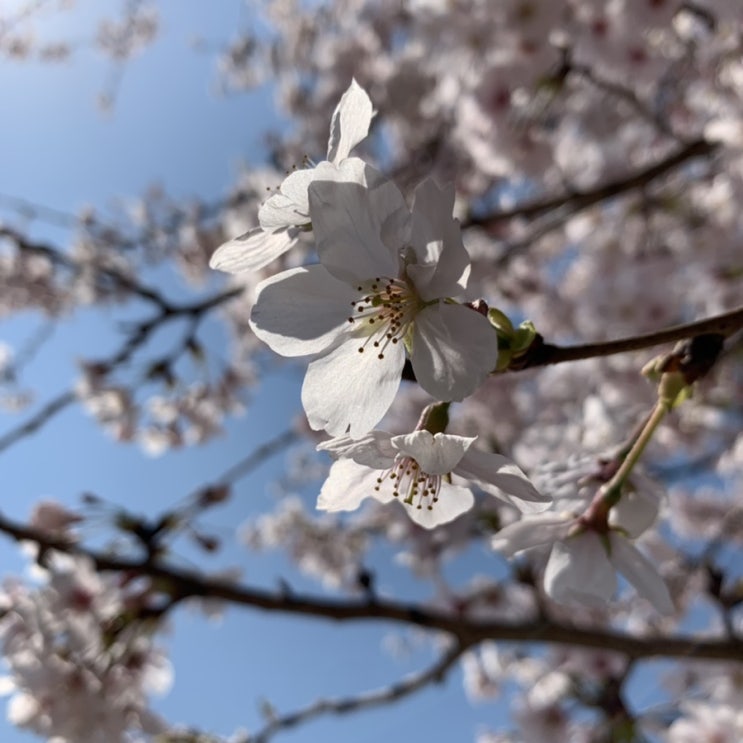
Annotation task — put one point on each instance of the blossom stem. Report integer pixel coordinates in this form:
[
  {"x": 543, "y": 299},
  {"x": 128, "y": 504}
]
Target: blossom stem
[
  {"x": 612, "y": 491},
  {"x": 434, "y": 418}
]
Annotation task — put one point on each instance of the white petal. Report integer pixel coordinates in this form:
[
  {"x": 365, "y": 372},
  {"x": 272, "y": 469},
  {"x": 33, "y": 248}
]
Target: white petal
[
  {"x": 453, "y": 501},
  {"x": 640, "y": 572},
  {"x": 532, "y": 531},
  {"x": 347, "y": 221},
  {"x": 454, "y": 350},
  {"x": 351, "y": 389},
  {"x": 253, "y": 250},
  {"x": 636, "y": 511},
  {"x": 443, "y": 262},
  {"x": 350, "y": 122},
  {"x": 22, "y": 709},
  {"x": 373, "y": 450},
  {"x": 499, "y": 476},
  {"x": 347, "y": 485},
  {"x": 301, "y": 311},
  {"x": 579, "y": 570},
  {"x": 290, "y": 206},
  {"x": 437, "y": 455}
]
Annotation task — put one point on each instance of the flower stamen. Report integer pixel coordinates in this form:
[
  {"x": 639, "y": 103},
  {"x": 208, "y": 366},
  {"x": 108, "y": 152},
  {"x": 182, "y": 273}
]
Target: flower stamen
[
  {"x": 408, "y": 479},
  {"x": 384, "y": 312}
]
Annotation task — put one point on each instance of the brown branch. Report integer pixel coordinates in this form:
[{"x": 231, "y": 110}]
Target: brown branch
[
  {"x": 176, "y": 585},
  {"x": 35, "y": 422},
  {"x": 578, "y": 200},
  {"x": 399, "y": 690},
  {"x": 141, "y": 332},
  {"x": 257, "y": 456},
  {"x": 545, "y": 354},
  {"x": 58, "y": 258}
]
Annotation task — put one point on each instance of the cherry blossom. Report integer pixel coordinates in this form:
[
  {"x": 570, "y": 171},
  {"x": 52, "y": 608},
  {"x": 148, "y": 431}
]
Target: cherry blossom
[
  {"x": 432, "y": 474},
  {"x": 383, "y": 283},
  {"x": 595, "y": 152},
  {"x": 284, "y": 214},
  {"x": 583, "y": 563},
  {"x": 78, "y": 672}
]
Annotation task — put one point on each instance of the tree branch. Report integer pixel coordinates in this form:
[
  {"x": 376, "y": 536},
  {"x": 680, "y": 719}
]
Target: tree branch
[
  {"x": 176, "y": 585},
  {"x": 544, "y": 354},
  {"x": 578, "y": 200},
  {"x": 399, "y": 690},
  {"x": 33, "y": 424},
  {"x": 257, "y": 456}
]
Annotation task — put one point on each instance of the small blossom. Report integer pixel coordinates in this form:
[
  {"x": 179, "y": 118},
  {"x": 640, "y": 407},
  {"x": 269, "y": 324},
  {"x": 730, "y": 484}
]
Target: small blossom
[
  {"x": 283, "y": 216},
  {"x": 53, "y": 518},
  {"x": 431, "y": 474},
  {"x": 583, "y": 563}
]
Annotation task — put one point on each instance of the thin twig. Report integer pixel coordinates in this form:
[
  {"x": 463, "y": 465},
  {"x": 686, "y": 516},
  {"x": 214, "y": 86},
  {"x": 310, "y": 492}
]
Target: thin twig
[
  {"x": 258, "y": 456},
  {"x": 54, "y": 406},
  {"x": 376, "y": 698},
  {"x": 578, "y": 200}
]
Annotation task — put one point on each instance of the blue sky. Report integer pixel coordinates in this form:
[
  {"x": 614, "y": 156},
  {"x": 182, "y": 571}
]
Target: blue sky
[{"x": 169, "y": 127}]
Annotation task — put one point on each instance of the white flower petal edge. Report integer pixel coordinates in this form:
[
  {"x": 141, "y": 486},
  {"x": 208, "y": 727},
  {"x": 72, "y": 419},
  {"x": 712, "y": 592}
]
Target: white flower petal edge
[
  {"x": 301, "y": 311},
  {"x": 454, "y": 500},
  {"x": 444, "y": 263},
  {"x": 499, "y": 476},
  {"x": 291, "y": 206},
  {"x": 288, "y": 209},
  {"x": 416, "y": 469},
  {"x": 347, "y": 485},
  {"x": 454, "y": 350},
  {"x": 350, "y": 391},
  {"x": 436, "y": 454},
  {"x": 350, "y": 122},
  {"x": 372, "y": 450},
  {"x": 640, "y": 572},
  {"x": 537, "y": 530},
  {"x": 347, "y": 221},
  {"x": 253, "y": 250},
  {"x": 579, "y": 570}
]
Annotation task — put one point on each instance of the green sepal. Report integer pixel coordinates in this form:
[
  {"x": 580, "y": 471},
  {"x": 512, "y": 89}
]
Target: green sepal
[
  {"x": 499, "y": 320},
  {"x": 673, "y": 389},
  {"x": 524, "y": 337}
]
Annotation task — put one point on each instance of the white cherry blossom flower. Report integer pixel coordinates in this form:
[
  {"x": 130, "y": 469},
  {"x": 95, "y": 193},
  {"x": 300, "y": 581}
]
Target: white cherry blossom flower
[
  {"x": 583, "y": 564},
  {"x": 283, "y": 216},
  {"x": 431, "y": 474},
  {"x": 383, "y": 284}
]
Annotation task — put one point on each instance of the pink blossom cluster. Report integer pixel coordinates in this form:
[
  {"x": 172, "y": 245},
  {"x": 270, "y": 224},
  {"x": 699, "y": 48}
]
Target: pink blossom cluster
[
  {"x": 80, "y": 665},
  {"x": 575, "y": 163}
]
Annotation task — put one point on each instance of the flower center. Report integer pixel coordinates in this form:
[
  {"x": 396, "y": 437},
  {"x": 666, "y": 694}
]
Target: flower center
[
  {"x": 408, "y": 479},
  {"x": 384, "y": 312}
]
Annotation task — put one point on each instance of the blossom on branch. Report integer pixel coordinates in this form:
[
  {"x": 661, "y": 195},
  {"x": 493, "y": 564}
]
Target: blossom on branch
[
  {"x": 81, "y": 666},
  {"x": 385, "y": 282},
  {"x": 583, "y": 562},
  {"x": 432, "y": 474},
  {"x": 283, "y": 216}
]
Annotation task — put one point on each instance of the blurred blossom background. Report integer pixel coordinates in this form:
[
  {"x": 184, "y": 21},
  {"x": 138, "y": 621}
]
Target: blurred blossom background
[{"x": 595, "y": 149}]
